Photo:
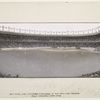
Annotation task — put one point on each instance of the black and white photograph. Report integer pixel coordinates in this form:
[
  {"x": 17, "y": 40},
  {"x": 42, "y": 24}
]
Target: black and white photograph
[{"x": 49, "y": 50}]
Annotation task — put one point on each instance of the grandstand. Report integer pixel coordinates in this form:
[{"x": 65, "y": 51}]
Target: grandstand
[{"x": 18, "y": 37}]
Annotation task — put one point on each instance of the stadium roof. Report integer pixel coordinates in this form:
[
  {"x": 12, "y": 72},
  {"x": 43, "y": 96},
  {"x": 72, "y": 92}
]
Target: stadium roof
[{"x": 66, "y": 29}]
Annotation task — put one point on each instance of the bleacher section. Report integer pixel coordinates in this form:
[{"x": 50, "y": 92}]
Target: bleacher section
[{"x": 8, "y": 40}]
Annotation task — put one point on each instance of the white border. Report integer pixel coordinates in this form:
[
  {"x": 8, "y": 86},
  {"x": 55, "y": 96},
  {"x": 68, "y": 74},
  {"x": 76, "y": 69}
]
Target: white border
[
  {"x": 85, "y": 12},
  {"x": 49, "y": 12},
  {"x": 49, "y": 0}
]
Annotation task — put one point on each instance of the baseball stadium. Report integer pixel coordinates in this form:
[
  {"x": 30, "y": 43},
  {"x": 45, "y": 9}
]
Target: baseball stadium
[
  {"x": 50, "y": 35},
  {"x": 57, "y": 50}
]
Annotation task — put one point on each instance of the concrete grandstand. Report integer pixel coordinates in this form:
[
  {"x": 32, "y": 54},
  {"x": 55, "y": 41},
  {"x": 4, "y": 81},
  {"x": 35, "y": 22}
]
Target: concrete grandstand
[{"x": 19, "y": 37}]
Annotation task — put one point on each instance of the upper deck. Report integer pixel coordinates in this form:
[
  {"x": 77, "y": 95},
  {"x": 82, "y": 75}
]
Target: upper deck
[{"x": 52, "y": 29}]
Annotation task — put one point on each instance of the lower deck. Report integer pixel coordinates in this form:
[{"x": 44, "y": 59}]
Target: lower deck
[{"x": 10, "y": 40}]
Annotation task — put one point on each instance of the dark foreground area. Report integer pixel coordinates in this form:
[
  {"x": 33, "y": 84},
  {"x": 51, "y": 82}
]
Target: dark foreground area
[{"x": 90, "y": 75}]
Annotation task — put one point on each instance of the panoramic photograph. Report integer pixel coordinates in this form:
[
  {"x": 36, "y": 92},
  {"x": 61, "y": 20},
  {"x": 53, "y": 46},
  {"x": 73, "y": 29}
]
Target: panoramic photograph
[{"x": 49, "y": 50}]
